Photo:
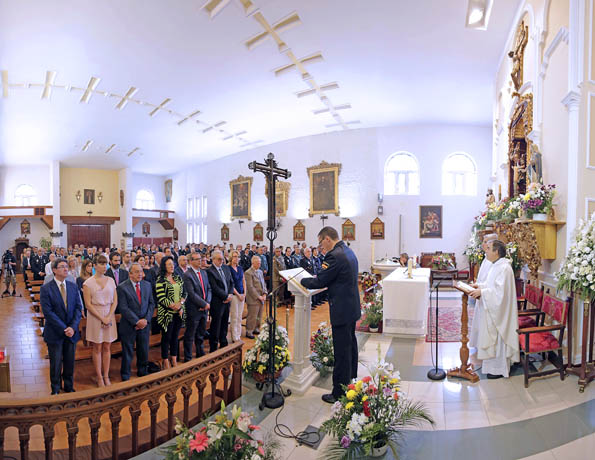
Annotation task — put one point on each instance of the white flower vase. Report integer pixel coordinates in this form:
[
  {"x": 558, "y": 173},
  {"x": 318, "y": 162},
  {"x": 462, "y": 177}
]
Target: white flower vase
[
  {"x": 379, "y": 451},
  {"x": 540, "y": 217},
  {"x": 373, "y": 329}
]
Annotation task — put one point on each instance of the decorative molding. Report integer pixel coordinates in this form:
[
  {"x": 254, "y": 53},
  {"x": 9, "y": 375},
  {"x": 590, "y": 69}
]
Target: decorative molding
[
  {"x": 82, "y": 220},
  {"x": 590, "y": 162},
  {"x": 587, "y": 202},
  {"x": 561, "y": 37},
  {"x": 572, "y": 101}
]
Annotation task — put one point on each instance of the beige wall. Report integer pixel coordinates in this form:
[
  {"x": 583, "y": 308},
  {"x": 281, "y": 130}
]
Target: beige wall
[{"x": 105, "y": 181}]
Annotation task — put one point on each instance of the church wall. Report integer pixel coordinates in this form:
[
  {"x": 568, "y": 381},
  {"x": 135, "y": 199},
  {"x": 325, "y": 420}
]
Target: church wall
[
  {"x": 362, "y": 154},
  {"x": 101, "y": 180},
  {"x": 148, "y": 182},
  {"x": 12, "y": 230},
  {"x": 37, "y": 176},
  {"x": 586, "y": 160}
]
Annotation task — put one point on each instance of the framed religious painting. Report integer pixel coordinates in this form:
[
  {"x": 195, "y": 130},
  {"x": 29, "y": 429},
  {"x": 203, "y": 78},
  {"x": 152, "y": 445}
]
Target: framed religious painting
[
  {"x": 377, "y": 229},
  {"x": 299, "y": 231},
  {"x": 89, "y": 196},
  {"x": 348, "y": 231},
  {"x": 241, "y": 193},
  {"x": 168, "y": 190},
  {"x": 225, "y": 233},
  {"x": 324, "y": 188},
  {"x": 258, "y": 232},
  {"x": 25, "y": 227},
  {"x": 281, "y": 197},
  {"x": 430, "y": 221}
]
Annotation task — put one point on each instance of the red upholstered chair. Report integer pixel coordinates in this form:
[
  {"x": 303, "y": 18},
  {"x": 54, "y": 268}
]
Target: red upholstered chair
[
  {"x": 540, "y": 339},
  {"x": 532, "y": 300}
]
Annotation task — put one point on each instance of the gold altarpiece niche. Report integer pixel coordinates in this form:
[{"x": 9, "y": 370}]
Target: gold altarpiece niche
[{"x": 519, "y": 146}]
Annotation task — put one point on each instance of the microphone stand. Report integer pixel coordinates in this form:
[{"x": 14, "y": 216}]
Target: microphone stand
[{"x": 436, "y": 373}]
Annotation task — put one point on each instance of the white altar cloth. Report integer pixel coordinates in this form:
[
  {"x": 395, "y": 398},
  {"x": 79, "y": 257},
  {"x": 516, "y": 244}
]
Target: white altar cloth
[{"x": 406, "y": 301}]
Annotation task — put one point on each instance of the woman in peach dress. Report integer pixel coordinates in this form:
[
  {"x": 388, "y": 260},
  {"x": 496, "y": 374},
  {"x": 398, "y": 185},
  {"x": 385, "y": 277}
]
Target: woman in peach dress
[{"x": 101, "y": 300}]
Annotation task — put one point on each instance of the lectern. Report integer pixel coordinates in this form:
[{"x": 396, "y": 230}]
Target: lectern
[{"x": 303, "y": 375}]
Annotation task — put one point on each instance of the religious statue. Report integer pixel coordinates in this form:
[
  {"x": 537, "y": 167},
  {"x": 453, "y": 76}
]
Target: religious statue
[
  {"x": 519, "y": 167},
  {"x": 517, "y": 53},
  {"x": 535, "y": 172},
  {"x": 490, "y": 198}
]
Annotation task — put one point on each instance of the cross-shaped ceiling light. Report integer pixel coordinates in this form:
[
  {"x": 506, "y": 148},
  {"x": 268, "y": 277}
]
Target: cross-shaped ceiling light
[
  {"x": 159, "y": 107},
  {"x": 272, "y": 31},
  {"x": 93, "y": 82},
  {"x": 124, "y": 99},
  {"x": 50, "y": 77}
]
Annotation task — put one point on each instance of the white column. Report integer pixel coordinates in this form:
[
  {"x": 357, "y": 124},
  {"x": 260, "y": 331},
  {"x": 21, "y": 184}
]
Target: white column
[
  {"x": 125, "y": 184},
  {"x": 303, "y": 375},
  {"x": 55, "y": 202}
]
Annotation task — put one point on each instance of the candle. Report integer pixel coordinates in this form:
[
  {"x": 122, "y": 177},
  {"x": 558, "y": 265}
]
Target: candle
[
  {"x": 373, "y": 253},
  {"x": 410, "y": 267},
  {"x": 499, "y": 192}
]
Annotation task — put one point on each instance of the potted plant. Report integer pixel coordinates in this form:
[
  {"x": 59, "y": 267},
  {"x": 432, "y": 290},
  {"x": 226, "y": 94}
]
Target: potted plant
[
  {"x": 225, "y": 438},
  {"x": 372, "y": 312},
  {"x": 371, "y": 416},
  {"x": 256, "y": 360},
  {"x": 577, "y": 273},
  {"x": 45, "y": 242},
  {"x": 538, "y": 201},
  {"x": 321, "y": 345},
  {"x": 442, "y": 262}
]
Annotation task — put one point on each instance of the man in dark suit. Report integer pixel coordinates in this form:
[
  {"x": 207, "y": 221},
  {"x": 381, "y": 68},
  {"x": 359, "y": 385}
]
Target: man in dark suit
[
  {"x": 136, "y": 305},
  {"x": 37, "y": 267},
  {"x": 119, "y": 275},
  {"x": 182, "y": 266},
  {"x": 222, "y": 287},
  {"x": 339, "y": 274},
  {"x": 61, "y": 305},
  {"x": 196, "y": 285}
]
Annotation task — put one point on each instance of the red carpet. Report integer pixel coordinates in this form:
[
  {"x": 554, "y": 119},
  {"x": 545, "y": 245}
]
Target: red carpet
[{"x": 449, "y": 324}]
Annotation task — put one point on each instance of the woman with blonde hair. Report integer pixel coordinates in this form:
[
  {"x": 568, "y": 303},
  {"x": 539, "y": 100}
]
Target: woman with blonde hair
[{"x": 101, "y": 299}]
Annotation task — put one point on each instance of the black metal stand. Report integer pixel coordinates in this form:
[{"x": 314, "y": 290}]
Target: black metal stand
[
  {"x": 436, "y": 373},
  {"x": 271, "y": 172}
]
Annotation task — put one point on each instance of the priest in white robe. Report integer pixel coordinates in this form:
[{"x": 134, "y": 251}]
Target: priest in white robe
[
  {"x": 482, "y": 275},
  {"x": 497, "y": 339}
]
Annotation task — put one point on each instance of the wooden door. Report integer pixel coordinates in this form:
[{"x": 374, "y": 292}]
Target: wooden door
[{"x": 89, "y": 235}]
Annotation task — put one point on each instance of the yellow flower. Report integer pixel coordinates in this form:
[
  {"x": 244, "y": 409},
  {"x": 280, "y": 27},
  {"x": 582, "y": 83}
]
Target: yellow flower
[
  {"x": 526, "y": 197},
  {"x": 359, "y": 385},
  {"x": 365, "y": 398},
  {"x": 349, "y": 405},
  {"x": 229, "y": 423},
  {"x": 261, "y": 369},
  {"x": 351, "y": 394},
  {"x": 393, "y": 381}
]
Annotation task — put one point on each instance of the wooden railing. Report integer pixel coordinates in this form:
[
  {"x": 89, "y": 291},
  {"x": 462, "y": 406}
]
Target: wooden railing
[{"x": 143, "y": 396}]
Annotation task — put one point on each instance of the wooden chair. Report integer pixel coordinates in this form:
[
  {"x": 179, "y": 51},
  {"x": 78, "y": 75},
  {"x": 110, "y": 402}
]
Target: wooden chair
[
  {"x": 530, "y": 315},
  {"x": 540, "y": 339}
]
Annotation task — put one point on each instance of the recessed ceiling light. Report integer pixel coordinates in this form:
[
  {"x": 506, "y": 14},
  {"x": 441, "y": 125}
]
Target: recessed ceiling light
[{"x": 478, "y": 14}]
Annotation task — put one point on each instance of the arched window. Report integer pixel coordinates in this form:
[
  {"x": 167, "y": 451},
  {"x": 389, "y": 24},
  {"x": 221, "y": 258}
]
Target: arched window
[
  {"x": 145, "y": 199},
  {"x": 459, "y": 175},
  {"x": 401, "y": 175},
  {"x": 25, "y": 195}
]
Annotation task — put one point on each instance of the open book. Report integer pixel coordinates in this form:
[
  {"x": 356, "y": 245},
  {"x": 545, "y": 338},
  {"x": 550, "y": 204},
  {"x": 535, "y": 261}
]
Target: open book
[{"x": 467, "y": 289}]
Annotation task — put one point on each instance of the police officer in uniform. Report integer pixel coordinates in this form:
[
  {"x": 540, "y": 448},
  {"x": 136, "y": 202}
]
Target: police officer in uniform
[{"x": 339, "y": 274}]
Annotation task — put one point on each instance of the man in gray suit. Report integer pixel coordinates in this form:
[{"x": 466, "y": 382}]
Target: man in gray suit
[
  {"x": 136, "y": 305},
  {"x": 256, "y": 294}
]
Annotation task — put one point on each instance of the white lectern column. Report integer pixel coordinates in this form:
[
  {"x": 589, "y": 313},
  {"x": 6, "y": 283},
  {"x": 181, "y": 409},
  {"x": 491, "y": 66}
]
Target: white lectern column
[{"x": 303, "y": 375}]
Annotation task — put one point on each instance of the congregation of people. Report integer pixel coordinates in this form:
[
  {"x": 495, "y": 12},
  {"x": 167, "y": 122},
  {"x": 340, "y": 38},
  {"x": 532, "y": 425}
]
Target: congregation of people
[{"x": 155, "y": 290}]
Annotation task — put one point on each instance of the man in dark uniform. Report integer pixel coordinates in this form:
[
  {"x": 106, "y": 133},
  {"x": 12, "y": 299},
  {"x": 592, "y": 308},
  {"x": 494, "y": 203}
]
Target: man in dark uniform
[
  {"x": 36, "y": 266},
  {"x": 339, "y": 274}
]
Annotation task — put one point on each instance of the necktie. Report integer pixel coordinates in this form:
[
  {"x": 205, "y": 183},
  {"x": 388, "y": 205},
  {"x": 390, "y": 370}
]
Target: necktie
[
  {"x": 63, "y": 293},
  {"x": 138, "y": 293},
  {"x": 221, "y": 274},
  {"x": 117, "y": 276},
  {"x": 201, "y": 285}
]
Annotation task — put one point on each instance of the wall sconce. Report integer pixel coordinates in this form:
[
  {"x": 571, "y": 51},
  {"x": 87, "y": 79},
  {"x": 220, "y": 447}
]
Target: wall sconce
[
  {"x": 100, "y": 196},
  {"x": 240, "y": 222},
  {"x": 78, "y": 195}
]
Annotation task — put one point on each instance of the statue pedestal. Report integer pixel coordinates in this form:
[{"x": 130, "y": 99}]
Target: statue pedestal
[{"x": 303, "y": 375}]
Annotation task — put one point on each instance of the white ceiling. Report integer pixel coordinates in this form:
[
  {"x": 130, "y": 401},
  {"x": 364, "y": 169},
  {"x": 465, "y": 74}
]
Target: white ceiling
[{"x": 395, "y": 61}]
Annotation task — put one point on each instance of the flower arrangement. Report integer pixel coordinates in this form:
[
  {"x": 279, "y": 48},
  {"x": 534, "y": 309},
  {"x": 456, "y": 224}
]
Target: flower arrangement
[
  {"x": 577, "y": 273},
  {"x": 372, "y": 415},
  {"x": 513, "y": 254},
  {"x": 473, "y": 250},
  {"x": 257, "y": 358},
  {"x": 480, "y": 222},
  {"x": 539, "y": 199},
  {"x": 369, "y": 280},
  {"x": 442, "y": 262},
  {"x": 222, "y": 439},
  {"x": 321, "y": 345},
  {"x": 372, "y": 311}
]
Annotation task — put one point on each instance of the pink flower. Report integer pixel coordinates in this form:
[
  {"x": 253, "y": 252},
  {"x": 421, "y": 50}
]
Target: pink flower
[
  {"x": 260, "y": 450},
  {"x": 199, "y": 443},
  {"x": 253, "y": 427},
  {"x": 237, "y": 447}
]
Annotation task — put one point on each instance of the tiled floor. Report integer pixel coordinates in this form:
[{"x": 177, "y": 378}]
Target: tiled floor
[{"x": 489, "y": 420}]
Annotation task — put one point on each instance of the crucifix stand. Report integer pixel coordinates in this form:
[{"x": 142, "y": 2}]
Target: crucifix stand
[
  {"x": 271, "y": 172},
  {"x": 465, "y": 370}
]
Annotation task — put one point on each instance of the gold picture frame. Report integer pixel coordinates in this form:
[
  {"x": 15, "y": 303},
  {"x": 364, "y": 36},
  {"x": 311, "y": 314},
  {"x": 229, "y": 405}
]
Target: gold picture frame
[
  {"x": 258, "y": 232},
  {"x": 377, "y": 229},
  {"x": 241, "y": 197},
  {"x": 225, "y": 233},
  {"x": 281, "y": 197},
  {"x": 299, "y": 231},
  {"x": 348, "y": 231},
  {"x": 324, "y": 188}
]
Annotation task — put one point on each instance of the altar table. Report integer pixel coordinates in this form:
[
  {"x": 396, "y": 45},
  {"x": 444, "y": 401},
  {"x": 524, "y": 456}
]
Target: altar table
[{"x": 406, "y": 301}]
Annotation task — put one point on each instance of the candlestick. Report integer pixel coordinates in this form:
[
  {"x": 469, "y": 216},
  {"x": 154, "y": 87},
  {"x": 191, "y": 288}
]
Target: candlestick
[{"x": 499, "y": 192}]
